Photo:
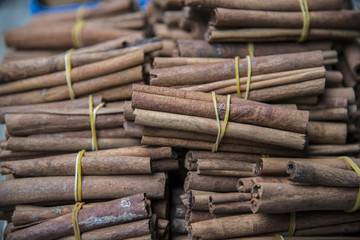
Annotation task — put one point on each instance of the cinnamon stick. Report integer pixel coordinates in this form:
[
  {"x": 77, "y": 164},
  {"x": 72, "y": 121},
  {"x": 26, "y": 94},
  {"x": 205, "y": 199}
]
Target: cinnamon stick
[
  {"x": 66, "y": 144},
  {"x": 80, "y": 73},
  {"x": 327, "y": 132},
  {"x": 89, "y": 166},
  {"x": 209, "y": 183},
  {"x": 352, "y": 56},
  {"x": 88, "y": 219},
  {"x": 317, "y": 174},
  {"x": 279, "y": 5},
  {"x": 47, "y": 189}
]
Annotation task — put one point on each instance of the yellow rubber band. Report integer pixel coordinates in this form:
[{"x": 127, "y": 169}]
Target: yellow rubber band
[
  {"x": 292, "y": 224},
  {"x": 75, "y": 34},
  {"x": 265, "y": 155},
  {"x": 357, "y": 170},
  {"x": 92, "y": 113},
  {"x": 237, "y": 76},
  {"x": 215, "y": 147},
  {"x": 75, "y": 220},
  {"x": 226, "y": 118},
  {"x": 77, "y": 188},
  {"x": 248, "y": 77},
  {"x": 68, "y": 73},
  {"x": 279, "y": 237},
  {"x": 251, "y": 49},
  {"x": 221, "y": 130},
  {"x": 306, "y": 20},
  {"x": 80, "y": 14}
]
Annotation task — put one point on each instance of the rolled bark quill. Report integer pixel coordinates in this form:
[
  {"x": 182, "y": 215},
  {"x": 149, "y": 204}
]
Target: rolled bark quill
[
  {"x": 80, "y": 73},
  {"x": 191, "y": 48},
  {"x": 41, "y": 189},
  {"x": 52, "y": 123},
  {"x": 66, "y": 167},
  {"x": 278, "y": 166},
  {"x": 318, "y": 19},
  {"x": 224, "y": 168},
  {"x": 130, "y": 230},
  {"x": 352, "y": 55},
  {"x": 243, "y": 131},
  {"x": 101, "y": 133},
  {"x": 76, "y": 103},
  {"x": 317, "y": 174},
  {"x": 21, "y": 69},
  {"x": 338, "y": 150},
  {"x": 60, "y": 37},
  {"x": 205, "y": 73},
  {"x": 222, "y": 228},
  {"x": 192, "y": 157},
  {"x": 278, "y": 5},
  {"x": 244, "y": 185},
  {"x": 238, "y": 112},
  {"x": 265, "y": 199},
  {"x": 88, "y": 219},
  {"x": 275, "y": 34},
  {"x": 229, "y": 203},
  {"x": 197, "y": 200},
  {"x": 209, "y": 183},
  {"x": 66, "y": 144},
  {"x": 198, "y": 104},
  {"x": 327, "y": 132}
]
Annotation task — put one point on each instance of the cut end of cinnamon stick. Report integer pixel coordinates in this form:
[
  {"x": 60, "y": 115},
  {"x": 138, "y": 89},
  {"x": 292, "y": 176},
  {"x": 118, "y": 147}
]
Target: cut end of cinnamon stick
[{"x": 258, "y": 167}]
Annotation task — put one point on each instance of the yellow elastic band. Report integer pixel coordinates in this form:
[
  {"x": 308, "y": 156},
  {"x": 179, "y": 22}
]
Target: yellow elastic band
[
  {"x": 77, "y": 188},
  {"x": 221, "y": 131},
  {"x": 215, "y": 147},
  {"x": 265, "y": 155},
  {"x": 251, "y": 49},
  {"x": 80, "y": 13},
  {"x": 248, "y": 77},
  {"x": 75, "y": 219},
  {"x": 68, "y": 72},
  {"x": 279, "y": 237},
  {"x": 92, "y": 112},
  {"x": 75, "y": 34},
  {"x": 306, "y": 20},
  {"x": 357, "y": 170},
  {"x": 237, "y": 76},
  {"x": 292, "y": 224}
]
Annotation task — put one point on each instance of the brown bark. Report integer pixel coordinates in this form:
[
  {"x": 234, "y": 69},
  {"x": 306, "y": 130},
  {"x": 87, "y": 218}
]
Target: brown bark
[
  {"x": 128, "y": 110},
  {"x": 80, "y": 73},
  {"x": 340, "y": 92},
  {"x": 126, "y": 230},
  {"x": 178, "y": 225},
  {"x": 90, "y": 218},
  {"x": 66, "y": 144},
  {"x": 227, "y": 167},
  {"x": 203, "y": 145},
  {"x": 208, "y": 126},
  {"x": 60, "y": 37},
  {"x": 338, "y": 150},
  {"x": 123, "y": 92},
  {"x": 236, "y": 18},
  {"x": 255, "y": 224},
  {"x": 7, "y": 155},
  {"x": 165, "y": 165},
  {"x": 269, "y": 198},
  {"x": 334, "y": 78},
  {"x": 160, "y": 208},
  {"x": 278, "y": 5},
  {"x": 196, "y": 74},
  {"x": 133, "y": 130},
  {"x": 192, "y": 157},
  {"x": 47, "y": 189},
  {"x": 331, "y": 114},
  {"x": 23, "y": 124},
  {"x": 16, "y": 54},
  {"x": 201, "y": 48},
  {"x": 161, "y": 30},
  {"x": 278, "y": 166},
  {"x": 231, "y": 207},
  {"x": 349, "y": 80},
  {"x": 317, "y": 174},
  {"x": 327, "y": 133},
  {"x": 275, "y": 117},
  {"x": 101, "y": 133},
  {"x": 197, "y": 200},
  {"x": 89, "y": 166},
  {"x": 352, "y": 55},
  {"x": 76, "y": 103},
  {"x": 210, "y": 183},
  {"x": 276, "y": 34},
  {"x": 244, "y": 185},
  {"x": 336, "y": 102}
]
